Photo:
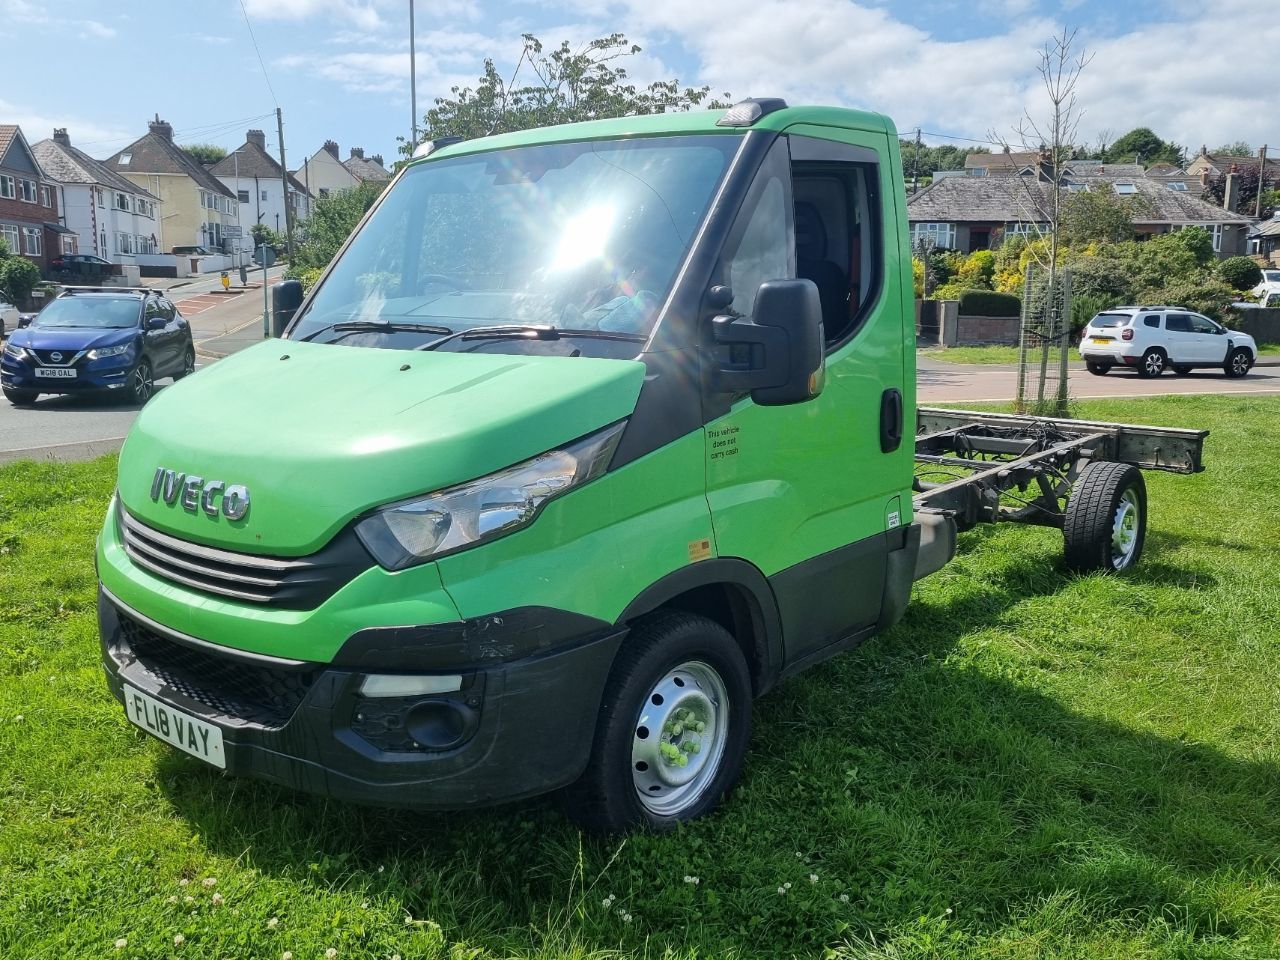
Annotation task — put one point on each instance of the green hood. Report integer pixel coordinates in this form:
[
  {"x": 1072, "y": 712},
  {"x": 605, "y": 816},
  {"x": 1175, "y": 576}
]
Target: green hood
[{"x": 319, "y": 434}]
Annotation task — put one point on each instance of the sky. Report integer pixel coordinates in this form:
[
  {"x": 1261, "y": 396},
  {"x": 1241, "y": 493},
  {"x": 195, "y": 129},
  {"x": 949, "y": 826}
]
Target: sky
[{"x": 1196, "y": 71}]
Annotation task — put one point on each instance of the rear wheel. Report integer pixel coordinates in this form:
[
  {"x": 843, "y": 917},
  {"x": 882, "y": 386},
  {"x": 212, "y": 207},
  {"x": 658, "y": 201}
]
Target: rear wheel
[
  {"x": 1105, "y": 524},
  {"x": 1153, "y": 363},
  {"x": 672, "y": 731},
  {"x": 141, "y": 382},
  {"x": 1097, "y": 369},
  {"x": 188, "y": 364},
  {"x": 1181, "y": 369},
  {"x": 1239, "y": 362},
  {"x": 20, "y": 398}
]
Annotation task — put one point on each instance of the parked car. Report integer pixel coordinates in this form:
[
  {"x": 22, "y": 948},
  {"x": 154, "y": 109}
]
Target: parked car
[
  {"x": 81, "y": 265},
  {"x": 9, "y": 317},
  {"x": 1152, "y": 339},
  {"x": 1270, "y": 283},
  {"x": 85, "y": 341}
]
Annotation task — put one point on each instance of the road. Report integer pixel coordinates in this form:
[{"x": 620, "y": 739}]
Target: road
[{"x": 71, "y": 428}]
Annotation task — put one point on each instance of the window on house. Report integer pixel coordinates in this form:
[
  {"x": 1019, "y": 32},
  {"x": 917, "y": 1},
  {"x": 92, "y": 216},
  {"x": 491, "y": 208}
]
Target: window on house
[
  {"x": 324, "y": 191},
  {"x": 264, "y": 194},
  {"x": 1177, "y": 185},
  {"x": 68, "y": 244},
  {"x": 102, "y": 200},
  {"x": 942, "y": 234},
  {"x": 125, "y": 158},
  {"x": 9, "y": 233},
  {"x": 33, "y": 243},
  {"x": 1024, "y": 229},
  {"x": 243, "y": 195},
  {"x": 124, "y": 243},
  {"x": 1125, "y": 189},
  {"x": 1217, "y": 238},
  {"x": 8, "y": 187},
  {"x": 122, "y": 202},
  {"x": 28, "y": 188},
  {"x": 46, "y": 197},
  {"x": 977, "y": 171},
  {"x": 102, "y": 241}
]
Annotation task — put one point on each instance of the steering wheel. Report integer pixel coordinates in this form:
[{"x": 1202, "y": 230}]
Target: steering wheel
[{"x": 439, "y": 278}]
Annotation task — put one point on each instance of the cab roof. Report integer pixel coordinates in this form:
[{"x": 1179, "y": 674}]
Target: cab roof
[{"x": 689, "y": 122}]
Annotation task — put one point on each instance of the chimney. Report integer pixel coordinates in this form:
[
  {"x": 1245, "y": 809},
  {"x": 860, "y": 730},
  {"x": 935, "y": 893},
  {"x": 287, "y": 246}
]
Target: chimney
[
  {"x": 332, "y": 147},
  {"x": 1231, "y": 190},
  {"x": 377, "y": 158},
  {"x": 357, "y": 153},
  {"x": 1044, "y": 165},
  {"x": 257, "y": 138},
  {"x": 161, "y": 128},
  {"x": 60, "y": 137}
]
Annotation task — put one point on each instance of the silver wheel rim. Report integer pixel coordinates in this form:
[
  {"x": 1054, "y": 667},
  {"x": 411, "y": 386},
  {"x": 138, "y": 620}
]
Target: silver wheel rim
[
  {"x": 189, "y": 363},
  {"x": 679, "y": 738},
  {"x": 1240, "y": 364},
  {"x": 142, "y": 381},
  {"x": 1155, "y": 364},
  {"x": 1124, "y": 530}
]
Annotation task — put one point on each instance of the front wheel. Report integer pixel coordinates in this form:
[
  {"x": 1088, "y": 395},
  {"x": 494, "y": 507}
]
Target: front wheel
[
  {"x": 673, "y": 728},
  {"x": 1153, "y": 363},
  {"x": 188, "y": 365},
  {"x": 20, "y": 398},
  {"x": 1105, "y": 523},
  {"x": 1239, "y": 362},
  {"x": 141, "y": 382},
  {"x": 1097, "y": 369}
]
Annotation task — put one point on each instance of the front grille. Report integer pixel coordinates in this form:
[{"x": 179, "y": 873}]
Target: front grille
[
  {"x": 258, "y": 693},
  {"x": 67, "y": 357},
  {"x": 294, "y": 582}
]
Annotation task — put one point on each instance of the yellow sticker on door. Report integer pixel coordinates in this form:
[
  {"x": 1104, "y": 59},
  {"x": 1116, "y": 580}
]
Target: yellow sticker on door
[{"x": 699, "y": 550}]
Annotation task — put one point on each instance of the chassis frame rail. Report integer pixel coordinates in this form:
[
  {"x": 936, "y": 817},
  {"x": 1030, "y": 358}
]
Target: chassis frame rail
[{"x": 988, "y": 456}]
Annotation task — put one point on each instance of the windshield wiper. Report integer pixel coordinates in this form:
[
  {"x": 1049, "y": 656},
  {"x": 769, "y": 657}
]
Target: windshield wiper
[
  {"x": 530, "y": 332},
  {"x": 367, "y": 326}
]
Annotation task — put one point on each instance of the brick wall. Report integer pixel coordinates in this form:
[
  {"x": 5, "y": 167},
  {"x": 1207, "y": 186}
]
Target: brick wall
[
  {"x": 977, "y": 331},
  {"x": 20, "y": 214},
  {"x": 1262, "y": 324}
]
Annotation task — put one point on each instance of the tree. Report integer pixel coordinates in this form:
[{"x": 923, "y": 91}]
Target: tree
[
  {"x": 1100, "y": 215},
  {"x": 18, "y": 277},
  {"x": 1247, "y": 191},
  {"x": 205, "y": 153},
  {"x": 567, "y": 85},
  {"x": 1241, "y": 148},
  {"x": 1241, "y": 273},
  {"x": 331, "y": 222},
  {"x": 261, "y": 234},
  {"x": 1141, "y": 145}
]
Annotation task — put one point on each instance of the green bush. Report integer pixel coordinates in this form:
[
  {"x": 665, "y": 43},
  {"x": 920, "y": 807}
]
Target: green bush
[
  {"x": 308, "y": 275},
  {"x": 1102, "y": 277},
  {"x": 1203, "y": 293},
  {"x": 1085, "y": 308},
  {"x": 986, "y": 303},
  {"x": 1240, "y": 272},
  {"x": 18, "y": 277}
]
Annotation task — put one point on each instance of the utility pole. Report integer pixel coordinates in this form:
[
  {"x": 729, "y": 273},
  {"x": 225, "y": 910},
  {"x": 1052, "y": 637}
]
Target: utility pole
[
  {"x": 413, "y": 83},
  {"x": 284, "y": 180},
  {"x": 915, "y": 166},
  {"x": 1262, "y": 180}
]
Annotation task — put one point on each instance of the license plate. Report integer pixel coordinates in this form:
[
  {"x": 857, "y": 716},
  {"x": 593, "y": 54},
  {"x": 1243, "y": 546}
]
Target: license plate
[
  {"x": 1100, "y": 340},
  {"x": 196, "y": 737},
  {"x": 56, "y": 373}
]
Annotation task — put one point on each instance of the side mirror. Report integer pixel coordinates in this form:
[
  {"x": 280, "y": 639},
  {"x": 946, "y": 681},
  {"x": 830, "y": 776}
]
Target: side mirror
[
  {"x": 778, "y": 355},
  {"x": 24, "y": 319},
  {"x": 286, "y": 297},
  {"x": 156, "y": 323}
]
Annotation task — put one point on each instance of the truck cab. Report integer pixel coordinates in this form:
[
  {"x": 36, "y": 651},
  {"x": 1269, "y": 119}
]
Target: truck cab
[{"x": 589, "y": 436}]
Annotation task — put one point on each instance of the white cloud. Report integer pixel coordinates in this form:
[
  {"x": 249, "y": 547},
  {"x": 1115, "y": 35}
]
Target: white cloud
[
  {"x": 362, "y": 14},
  {"x": 93, "y": 28},
  {"x": 90, "y": 135}
]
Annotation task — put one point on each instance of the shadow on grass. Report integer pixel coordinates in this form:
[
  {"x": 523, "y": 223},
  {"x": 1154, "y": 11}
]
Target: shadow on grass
[{"x": 908, "y": 778}]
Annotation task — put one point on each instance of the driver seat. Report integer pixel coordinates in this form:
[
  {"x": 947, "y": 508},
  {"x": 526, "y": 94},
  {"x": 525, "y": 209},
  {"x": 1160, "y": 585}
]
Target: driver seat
[{"x": 812, "y": 264}]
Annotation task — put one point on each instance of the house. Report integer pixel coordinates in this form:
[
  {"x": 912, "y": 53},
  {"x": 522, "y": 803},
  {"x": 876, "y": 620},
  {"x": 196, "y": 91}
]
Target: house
[
  {"x": 1207, "y": 166},
  {"x": 1030, "y": 163},
  {"x": 112, "y": 217},
  {"x": 253, "y": 175},
  {"x": 324, "y": 174},
  {"x": 975, "y": 213},
  {"x": 1006, "y": 163},
  {"x": 197, "y": 206},
  {"x": 29, "y": 219},
  {"x": 1264, "y": 240},
  {"x": 366, "y": 169}
]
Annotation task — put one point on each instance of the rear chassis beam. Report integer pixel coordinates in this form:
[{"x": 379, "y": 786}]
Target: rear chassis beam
[{"x": 1006, "y": 468}]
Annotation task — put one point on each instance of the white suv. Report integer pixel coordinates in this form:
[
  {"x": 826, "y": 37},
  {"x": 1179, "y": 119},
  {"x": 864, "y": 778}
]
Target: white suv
[{"x": 1150, "y": 339}]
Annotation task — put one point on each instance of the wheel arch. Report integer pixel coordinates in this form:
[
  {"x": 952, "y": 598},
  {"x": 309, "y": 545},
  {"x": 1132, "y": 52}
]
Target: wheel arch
[{"x": 732, "y": 593}]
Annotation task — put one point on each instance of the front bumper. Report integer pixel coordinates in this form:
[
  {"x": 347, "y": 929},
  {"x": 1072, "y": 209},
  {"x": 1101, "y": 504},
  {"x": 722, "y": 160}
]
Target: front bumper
[
  {"x": 109, "y": 373},
  {"x": 521, "y": 724}
]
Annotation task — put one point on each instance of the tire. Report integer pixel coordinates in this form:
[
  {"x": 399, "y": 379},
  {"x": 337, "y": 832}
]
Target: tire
[
  {"x": 1105, "y": 525},
  {"x": 188, "y": 365},
  {"x": 1097, "y": 369},
  {"x": 671, "y": 663},
  {"x": 1153, "y": 363},
  {"x": 1181, "y": 369},
  {"x": 1239, "y": 362},
  {"x": 142, "y": 382},
  {"x": 20, "y": 398}
]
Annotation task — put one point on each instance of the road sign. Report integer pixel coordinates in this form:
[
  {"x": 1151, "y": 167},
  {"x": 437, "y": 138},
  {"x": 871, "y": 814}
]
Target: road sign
[{"x": 232, "y": 232}]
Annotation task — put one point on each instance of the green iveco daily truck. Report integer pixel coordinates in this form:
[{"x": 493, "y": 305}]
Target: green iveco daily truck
[{"x": 589, "y": 436}]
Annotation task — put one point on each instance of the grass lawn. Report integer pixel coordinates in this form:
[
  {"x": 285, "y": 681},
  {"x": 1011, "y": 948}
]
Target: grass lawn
[
  {"x": 999, "y": 354},
  {"x": 1032, "y": 765}
]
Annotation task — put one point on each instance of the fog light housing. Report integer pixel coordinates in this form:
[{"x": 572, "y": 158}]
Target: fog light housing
[{"x": 405, "y": 685}]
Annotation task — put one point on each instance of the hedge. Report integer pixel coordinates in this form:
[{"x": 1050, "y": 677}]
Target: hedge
[{"x": 987, "y": 303}]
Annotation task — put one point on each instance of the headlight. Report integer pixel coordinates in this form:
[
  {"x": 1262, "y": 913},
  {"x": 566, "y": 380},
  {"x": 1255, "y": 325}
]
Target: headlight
[
  {"x": 418, "y": 530},
  {"x": 97, "y": 353},
  {"x": 15, "y": 351}
]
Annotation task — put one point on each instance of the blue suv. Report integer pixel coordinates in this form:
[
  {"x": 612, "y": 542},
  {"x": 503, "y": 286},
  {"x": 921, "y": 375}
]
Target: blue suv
[{"x": 98, "y": 339}]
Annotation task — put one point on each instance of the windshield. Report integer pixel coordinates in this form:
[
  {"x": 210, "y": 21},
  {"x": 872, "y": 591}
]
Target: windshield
[
  {"x": 1109, "y": 320},
  {"x": 1271, "y": 276},
  {"x": 583, "y": 236},
  {"x": 100, "y": 312}
]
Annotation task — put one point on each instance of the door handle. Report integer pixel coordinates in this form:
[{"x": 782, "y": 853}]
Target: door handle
[{"x": 890, "y": 420}]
